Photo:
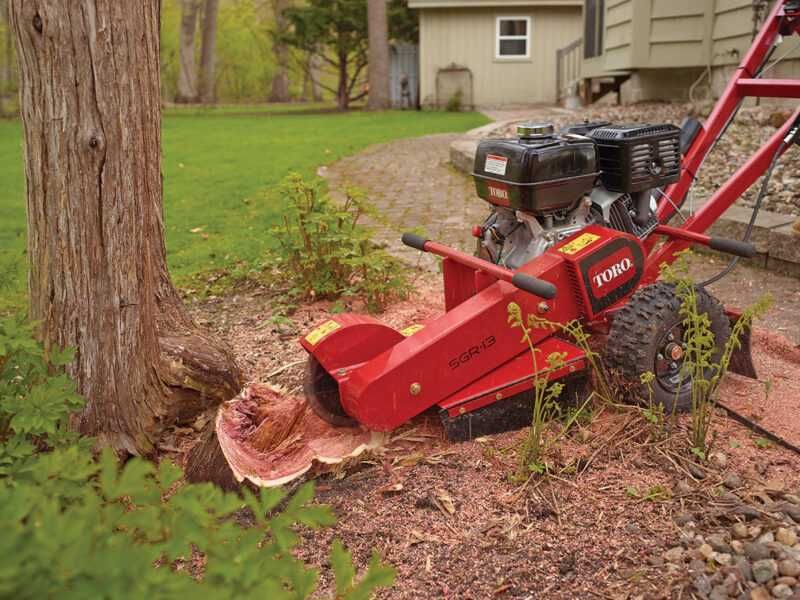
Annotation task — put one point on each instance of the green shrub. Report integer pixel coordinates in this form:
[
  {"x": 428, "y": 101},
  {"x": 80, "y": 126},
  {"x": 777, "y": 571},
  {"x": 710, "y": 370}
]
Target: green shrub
[
  {"x": 455, "y": 102},
  {"x": 77, "y": 527},
  {"x": 325, "y": 252}
]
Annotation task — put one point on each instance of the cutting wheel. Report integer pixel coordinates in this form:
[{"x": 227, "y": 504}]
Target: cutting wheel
[{"x": 322, "y": 393}]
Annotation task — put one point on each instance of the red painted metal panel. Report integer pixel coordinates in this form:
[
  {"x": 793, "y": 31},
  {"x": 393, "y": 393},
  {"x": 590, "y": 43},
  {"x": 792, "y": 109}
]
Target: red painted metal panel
[
  {"x": 452, "y": 351},
  {"x": 769, "y": 88},
  {"x": 349, "y": 339},
  {"x": 514, "y": 377},
  {"x": 459, "y": 283}
]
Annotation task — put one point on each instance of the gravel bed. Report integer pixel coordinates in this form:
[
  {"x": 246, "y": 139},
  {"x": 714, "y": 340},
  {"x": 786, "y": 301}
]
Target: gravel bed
[
  {"x": 751, "y": 551},
  {"x": 753, "y": 126}
]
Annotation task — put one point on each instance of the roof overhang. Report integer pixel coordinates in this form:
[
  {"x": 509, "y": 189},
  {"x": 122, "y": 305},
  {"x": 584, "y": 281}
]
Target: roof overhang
[{"x": 489, "y": 3}]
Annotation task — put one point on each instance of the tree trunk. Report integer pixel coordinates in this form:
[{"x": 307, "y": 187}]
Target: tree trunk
[
  {"x": 314, "y": 71},
  {"x": 379, "y": 98},
  {"x": 187, "y": 77},
  {"x": 342, "y": 92},
  {"x": 280, "y": 80},
  {"x": 98, "y": 280},
  {"x": 208, "y": 53}
]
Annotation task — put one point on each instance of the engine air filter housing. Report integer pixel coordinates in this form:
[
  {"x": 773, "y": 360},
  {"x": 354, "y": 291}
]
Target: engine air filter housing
[
  {"x": 540, "y": 172},
  {"x": 636, "y": 157}
]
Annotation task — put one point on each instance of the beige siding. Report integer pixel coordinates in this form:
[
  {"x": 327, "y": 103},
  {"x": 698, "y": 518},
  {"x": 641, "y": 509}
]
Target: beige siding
[
  {"x": 679, "y": 33},
  {"x": 732, "y": 31},
  {"x": 467, "y": 37},
  {"x": 618, "y": 37}
]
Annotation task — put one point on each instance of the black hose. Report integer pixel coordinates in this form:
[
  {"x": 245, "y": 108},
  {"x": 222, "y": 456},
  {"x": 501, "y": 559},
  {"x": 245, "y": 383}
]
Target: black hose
[{"x": 756, "y": 208}]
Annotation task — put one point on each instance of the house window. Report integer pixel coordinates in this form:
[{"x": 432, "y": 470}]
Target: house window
[
  {"x": 594, "y": 11},
  {"x": 513, "y": 37}
]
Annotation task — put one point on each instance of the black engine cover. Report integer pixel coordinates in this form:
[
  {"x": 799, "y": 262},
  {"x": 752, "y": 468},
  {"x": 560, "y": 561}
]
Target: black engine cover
[
  {"x": 636, "y": 157},
  {"x": 538, "y": 175}
]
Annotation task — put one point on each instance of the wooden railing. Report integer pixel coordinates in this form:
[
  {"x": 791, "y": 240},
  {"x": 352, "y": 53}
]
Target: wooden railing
[{"x": 568, "y": 68}]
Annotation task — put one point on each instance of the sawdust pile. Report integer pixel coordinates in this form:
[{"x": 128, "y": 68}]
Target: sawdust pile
[{"x": 270, "y": 438}]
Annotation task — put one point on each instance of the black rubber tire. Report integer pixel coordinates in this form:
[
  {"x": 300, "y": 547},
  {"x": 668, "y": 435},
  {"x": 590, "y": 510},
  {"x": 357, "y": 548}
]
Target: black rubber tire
[
  {"x": 322, "y": 393},
  {"x": 637, "y": 333}
]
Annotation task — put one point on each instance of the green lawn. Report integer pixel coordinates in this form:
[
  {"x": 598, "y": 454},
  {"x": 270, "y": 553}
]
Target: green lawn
[{"x": 216, "y": 167}]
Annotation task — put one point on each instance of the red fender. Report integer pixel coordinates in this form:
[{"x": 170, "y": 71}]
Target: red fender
[{"x": 348, "y": 340}]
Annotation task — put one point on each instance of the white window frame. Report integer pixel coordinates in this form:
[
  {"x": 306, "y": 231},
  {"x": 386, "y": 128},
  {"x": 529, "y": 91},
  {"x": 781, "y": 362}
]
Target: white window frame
[{"x": 526, "y": 37}]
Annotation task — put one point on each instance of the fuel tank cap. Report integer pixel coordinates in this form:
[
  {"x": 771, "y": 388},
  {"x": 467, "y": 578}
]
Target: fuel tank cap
[{"x": 535, "y": 130}]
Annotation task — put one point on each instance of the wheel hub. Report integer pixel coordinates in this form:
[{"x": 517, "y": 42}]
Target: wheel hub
[
  {"x": 674, "y": 351},
  {"x": 669, "y": 359}
]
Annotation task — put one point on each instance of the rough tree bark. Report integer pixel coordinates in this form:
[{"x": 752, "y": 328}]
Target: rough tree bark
[
  {"x": 208, "y": 53},
  {"x": 89, "y": 89},
  {"x": 187, "y": 77},
  {"x": 378, "y": 68},
  {"x": 280, "y": 80}
]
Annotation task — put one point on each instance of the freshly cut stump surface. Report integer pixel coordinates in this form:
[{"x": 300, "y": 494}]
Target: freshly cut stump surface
[{"x": 270, "y": 438}]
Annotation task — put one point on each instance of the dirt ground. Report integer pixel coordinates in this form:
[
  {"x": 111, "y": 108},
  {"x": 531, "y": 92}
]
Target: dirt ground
[{"x": 455, "y": 524}]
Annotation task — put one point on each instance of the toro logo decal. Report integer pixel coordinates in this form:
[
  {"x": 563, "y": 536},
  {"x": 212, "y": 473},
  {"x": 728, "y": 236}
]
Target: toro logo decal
[
  {"x": 612, "y": 272},
  {"x": 615, "y": 271},
  {"x": 498, "y": 192}
]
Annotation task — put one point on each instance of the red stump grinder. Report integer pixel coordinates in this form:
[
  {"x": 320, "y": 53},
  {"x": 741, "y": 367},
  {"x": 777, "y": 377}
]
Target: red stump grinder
[{"x": 577, "y": 230}]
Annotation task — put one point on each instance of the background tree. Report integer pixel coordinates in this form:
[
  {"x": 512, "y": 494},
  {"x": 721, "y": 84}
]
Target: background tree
[
  {"x": 403, "y": 22},
  {"x": 98, "y": 277},
  {"x": 379, "y": 97},
  {"x": 337, "y": 31},
  {"x": 208, "y": 53},
  {"x": 187, "y": 74},
  {"x": 311, "y": 76},
  {"x": 280, "y": 80}
]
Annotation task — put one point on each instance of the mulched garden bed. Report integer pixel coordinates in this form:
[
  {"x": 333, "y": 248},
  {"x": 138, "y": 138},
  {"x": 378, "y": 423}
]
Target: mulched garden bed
[{"x": 626, "y": 513}]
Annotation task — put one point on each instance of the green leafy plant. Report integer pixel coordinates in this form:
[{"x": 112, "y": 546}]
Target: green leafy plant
[
  {"x": 545, "y": 395},
  {"x": 699, "y": 365},
  {"x": 325, "y": 252},
  {"x": 762, "y": 443},
  {"x": 653, "y": 412},
  {"x": 79, "y": 527}
]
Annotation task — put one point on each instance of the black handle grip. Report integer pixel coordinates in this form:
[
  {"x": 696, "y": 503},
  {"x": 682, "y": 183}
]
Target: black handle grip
[
  {"x": 414, "y": 241},
  {"x": 735, "y": 247},
  {"x": 537, "y": 287}
]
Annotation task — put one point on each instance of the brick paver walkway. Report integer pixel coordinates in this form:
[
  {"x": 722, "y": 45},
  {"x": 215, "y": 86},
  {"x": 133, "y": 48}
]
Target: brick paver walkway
[{"x": 413, "y": 185}]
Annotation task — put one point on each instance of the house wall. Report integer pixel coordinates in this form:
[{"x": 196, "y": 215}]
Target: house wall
[
  {"x": 668, "y": 44},
  {"x": 731, "y": 38},
  {"x": 651, "y": 34},
  {"x": 467, "y": 37}
]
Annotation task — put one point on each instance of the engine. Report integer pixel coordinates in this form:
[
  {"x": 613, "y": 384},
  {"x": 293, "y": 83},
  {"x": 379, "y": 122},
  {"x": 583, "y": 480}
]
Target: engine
[{"x": 545, "y": 186}]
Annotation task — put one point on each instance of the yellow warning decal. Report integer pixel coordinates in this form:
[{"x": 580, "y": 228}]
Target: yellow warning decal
[
  {"x": 321, "y": 331},
  {"x": 411, "y": 330},
  {"x": 579, "y": 243}
]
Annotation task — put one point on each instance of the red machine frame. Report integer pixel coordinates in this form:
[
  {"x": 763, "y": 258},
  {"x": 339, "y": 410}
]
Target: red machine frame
[
  {"x": 782, "y": 21},
  {"x": 469, "y": 358}
]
